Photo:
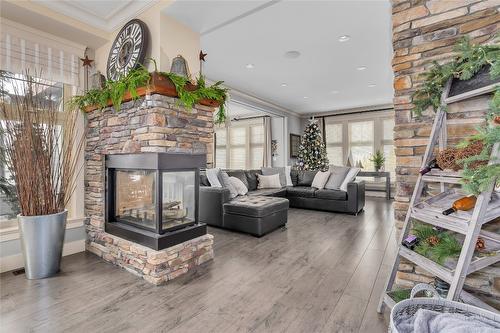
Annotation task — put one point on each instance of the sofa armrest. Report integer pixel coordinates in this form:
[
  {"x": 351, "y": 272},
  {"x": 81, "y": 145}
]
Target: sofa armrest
[
  {"x": 355, "y": 196},
  {"x": 212, "y": 200}
]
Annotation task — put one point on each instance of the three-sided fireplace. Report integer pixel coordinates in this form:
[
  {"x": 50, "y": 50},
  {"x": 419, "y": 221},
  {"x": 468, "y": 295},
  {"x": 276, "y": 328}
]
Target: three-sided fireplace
[{"x": 152, "y": 198}]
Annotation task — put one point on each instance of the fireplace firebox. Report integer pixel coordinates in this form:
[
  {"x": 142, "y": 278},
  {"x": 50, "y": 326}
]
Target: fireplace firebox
[{"x": 152, "y": 198}]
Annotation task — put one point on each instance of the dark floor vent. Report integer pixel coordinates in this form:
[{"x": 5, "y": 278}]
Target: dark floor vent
[{"x": 18, "y": 271}]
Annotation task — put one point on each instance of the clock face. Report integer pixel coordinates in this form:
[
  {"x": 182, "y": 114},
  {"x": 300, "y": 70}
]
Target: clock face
[{"x": 128, "y": 50}]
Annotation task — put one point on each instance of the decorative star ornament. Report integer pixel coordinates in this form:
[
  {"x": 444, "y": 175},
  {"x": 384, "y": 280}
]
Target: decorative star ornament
[
  {"x": 86, "y": 61},
  {"x": 202, "y": 56}
]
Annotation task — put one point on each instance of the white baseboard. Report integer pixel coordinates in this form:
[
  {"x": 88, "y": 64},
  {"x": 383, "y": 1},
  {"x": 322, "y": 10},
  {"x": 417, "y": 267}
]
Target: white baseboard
[{"x": 16, "y": 261}]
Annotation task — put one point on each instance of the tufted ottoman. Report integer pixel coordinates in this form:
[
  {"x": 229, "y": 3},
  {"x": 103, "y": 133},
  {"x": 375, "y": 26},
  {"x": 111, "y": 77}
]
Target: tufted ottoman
[{"x": 256, "y": 215}]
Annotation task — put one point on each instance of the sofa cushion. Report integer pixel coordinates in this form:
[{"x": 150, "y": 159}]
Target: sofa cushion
[
  {"x": 277, "y": 192},
  {"x": 240, "y": 174},
  {"x": 300, "y": 191},
  {"x": 226, "y": 182},
  {"x": 351, "y": 175},
  {"x": 239, "y": 185},
  {"x": 294, "y": 174},
  {"x": 305, "y": 178},
  {"x": 252, "y": 178},
  {"x": 273, "y": 171},
  {"x": 320, "y": 179},
  {"x": 331, "y": 194},
  {"x": 203, "y": 179},
  {"x": 255, "y": 206}
]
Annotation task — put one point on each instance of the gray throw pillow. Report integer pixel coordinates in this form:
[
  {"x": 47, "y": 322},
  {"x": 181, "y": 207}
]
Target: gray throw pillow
[
  {"x": 226, "y": 182},
  {"x": 337, "y": 176},
  {"x": 240, "y": 174},
  {"x": 273, "y": 171},
  {"x": 306, "y": 177}
]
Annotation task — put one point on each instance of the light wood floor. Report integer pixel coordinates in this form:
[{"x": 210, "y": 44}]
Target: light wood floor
[{"x": 324, "y": 273}]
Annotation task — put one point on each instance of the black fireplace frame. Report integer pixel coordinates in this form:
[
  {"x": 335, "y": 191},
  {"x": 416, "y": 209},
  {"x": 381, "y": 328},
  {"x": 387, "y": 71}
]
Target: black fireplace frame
[{"x": 158, "y": 238}]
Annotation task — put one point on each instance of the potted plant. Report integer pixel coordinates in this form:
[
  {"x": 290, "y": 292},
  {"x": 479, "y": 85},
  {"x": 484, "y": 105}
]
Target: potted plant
[
  {"x": 378, "y": 160},
  {"x": 41, "y": 147}
]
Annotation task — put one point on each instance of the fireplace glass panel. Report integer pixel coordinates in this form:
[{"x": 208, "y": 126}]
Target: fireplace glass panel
[
  {"x": 135, "y": 198},
  {"x": 178, "y": 199}
]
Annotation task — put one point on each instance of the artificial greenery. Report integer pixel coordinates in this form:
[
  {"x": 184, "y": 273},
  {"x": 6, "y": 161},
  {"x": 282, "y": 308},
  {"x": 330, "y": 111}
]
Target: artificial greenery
[
  {"x": 115, "y": 90},
  {"x": 434, "y": 244},
  {"x": 378, "y": 160},
  {"x": 470, "y": 59},
  {"x": 476, "y": 176},
  {"x": 399, "y": 295}
]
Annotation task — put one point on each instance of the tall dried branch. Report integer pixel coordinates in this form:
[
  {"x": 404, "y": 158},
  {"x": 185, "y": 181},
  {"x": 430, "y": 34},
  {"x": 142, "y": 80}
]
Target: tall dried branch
[{"x": 41, "y": 145}]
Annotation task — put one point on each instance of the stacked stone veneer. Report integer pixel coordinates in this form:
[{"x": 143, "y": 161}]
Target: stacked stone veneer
[
  {"x": 423, "y": 32},
  {"x": 152, "y": 124}
]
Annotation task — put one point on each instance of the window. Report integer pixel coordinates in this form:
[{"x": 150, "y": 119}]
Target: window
[
  {"x": 361, "y": 142},
  {"x": 334, "y": 144},
  {"x": 241, "y": 145},
  {"x": 362, "y": 135},
  {"x": 49, "y": 92}
]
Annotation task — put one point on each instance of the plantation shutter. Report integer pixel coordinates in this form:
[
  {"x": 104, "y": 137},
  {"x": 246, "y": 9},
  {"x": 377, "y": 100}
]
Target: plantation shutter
[{"x": 24, "y": 50}]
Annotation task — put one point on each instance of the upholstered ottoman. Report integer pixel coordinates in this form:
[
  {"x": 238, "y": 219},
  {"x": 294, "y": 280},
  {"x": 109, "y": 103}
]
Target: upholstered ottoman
[{"x": 256, "y": 215}]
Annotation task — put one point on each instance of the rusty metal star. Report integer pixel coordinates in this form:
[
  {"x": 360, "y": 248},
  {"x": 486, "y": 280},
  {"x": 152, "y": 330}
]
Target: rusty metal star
[
  {"x": 202, "y": 56},
  {"x": 86, "y": 61}
]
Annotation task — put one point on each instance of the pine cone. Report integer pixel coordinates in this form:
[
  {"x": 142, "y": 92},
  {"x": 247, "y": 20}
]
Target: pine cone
[
  {"x": 433, "y": 240},
  {"x": 480, "y": 245}
]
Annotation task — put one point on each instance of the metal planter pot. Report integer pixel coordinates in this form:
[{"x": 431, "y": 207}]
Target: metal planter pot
[{"x": 42, "y": 239}]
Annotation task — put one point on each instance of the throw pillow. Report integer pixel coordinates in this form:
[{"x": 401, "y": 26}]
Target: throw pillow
[
  {"x": 273, "y": 171},
  {"x": 272, "y": 181},
  {"x": 204, "y": 180},
  {"x": 351, "y": 175},
  {"x": 226, "y": 182},
  {"x": 337, "y": 176},
  {"x": 240, "y": 174},
  {"x": 239, "y": 185},
  {"x": 213, "y": 177},
  {"x": 320, "y": 179},
  {"x": 306, "y": 177},
  {"x": 288, "y": 174}
]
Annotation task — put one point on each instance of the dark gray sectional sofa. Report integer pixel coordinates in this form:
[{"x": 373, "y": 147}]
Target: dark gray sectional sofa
[{"x": 263, "y": 210}]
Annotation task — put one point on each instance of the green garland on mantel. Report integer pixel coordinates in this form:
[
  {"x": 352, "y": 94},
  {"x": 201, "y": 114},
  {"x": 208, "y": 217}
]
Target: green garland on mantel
[
  {"x": 139, "y": 77},
  {"x": 470, "y": 59}
]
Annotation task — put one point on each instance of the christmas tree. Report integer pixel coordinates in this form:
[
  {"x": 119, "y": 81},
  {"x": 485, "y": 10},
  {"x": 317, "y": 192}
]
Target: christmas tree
[{"x": 312, "y": 150}]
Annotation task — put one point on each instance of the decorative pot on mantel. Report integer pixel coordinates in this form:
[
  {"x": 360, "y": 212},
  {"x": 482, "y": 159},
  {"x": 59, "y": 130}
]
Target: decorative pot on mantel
[{"x": 42, "y": 240}]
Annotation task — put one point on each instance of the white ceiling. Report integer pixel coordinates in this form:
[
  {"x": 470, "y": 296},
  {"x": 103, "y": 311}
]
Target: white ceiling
[
  {"x": 107, "y": 15},
  {"x": 260, "y": 32}
]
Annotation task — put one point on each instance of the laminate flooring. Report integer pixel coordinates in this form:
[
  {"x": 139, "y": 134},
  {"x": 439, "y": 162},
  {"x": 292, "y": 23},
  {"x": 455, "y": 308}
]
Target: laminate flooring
[{"x": 324, "y": 273}]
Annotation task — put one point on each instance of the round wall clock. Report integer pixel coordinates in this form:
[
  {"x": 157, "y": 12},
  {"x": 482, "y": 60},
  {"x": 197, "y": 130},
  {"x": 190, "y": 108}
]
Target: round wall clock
[{"x": 128, "y": 50}]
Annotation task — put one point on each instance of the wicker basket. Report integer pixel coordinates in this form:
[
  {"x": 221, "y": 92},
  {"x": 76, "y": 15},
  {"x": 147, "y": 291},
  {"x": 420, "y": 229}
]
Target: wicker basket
[{"x": 410, "y": 307}]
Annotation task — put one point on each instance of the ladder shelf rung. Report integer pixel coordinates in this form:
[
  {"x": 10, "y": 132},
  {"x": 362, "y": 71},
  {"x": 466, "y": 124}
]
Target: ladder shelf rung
[
  {"x": 440, "y": 179},
  {"x": 434, "y": 268},
  {"x": 447, "y": 222}
]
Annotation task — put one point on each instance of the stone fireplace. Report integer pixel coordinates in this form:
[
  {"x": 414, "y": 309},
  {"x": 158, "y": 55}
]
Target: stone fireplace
[{"x": 155, "y": 126}]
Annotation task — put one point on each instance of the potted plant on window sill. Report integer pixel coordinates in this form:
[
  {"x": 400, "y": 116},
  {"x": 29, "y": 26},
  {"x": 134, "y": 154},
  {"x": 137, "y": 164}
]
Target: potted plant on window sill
[{"x": 41, "y": 149}]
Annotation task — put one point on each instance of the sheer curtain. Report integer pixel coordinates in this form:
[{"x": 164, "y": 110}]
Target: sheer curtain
[{"x": 267, "y": 142}]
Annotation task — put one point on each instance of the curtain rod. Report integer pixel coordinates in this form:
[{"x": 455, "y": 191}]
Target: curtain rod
[
  {"x": 350, "y": 113},
  {"x": 247, "y": 118}
]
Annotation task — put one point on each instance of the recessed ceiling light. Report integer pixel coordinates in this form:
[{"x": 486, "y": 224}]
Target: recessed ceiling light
[
  {"x": 292, "y": 54},
  {"x": 371, "y": 85},
  {"x": 283, "y": 84},
  {"x": 305, "y": 97},
  {"x": 249, "y": 66},
  {"x": 344, "y": 38},
  {"x": 361, "y": 68},
  {"x": 334, "y": 91}
]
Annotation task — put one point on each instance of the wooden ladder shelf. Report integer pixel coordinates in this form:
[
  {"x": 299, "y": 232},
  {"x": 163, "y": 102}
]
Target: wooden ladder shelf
[{"x": 468, "y": 224}]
